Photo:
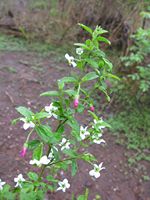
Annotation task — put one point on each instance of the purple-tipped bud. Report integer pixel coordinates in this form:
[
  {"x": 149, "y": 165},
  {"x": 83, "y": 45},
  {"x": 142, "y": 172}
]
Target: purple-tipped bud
[
  {"x": 92, "y": 108},
  {"x": 76, "y": 102},
  {"x": 23, "y": 151}
]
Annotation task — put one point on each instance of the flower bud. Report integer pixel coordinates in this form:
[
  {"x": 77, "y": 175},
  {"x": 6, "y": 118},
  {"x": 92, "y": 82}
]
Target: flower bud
[
  {"x": 23, "y": 151},
  {"x": 76, "y": 102},
  {"x": 92, "y": 108}
]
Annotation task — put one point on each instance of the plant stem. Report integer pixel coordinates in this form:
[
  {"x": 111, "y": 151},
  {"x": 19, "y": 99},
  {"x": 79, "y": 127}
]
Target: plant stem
[
  {"x": 62, "y": 161},
  {"x": 49, "y": 150},
  {"x": 29, "y": 135},
  {"x": 44, "y": 166}
]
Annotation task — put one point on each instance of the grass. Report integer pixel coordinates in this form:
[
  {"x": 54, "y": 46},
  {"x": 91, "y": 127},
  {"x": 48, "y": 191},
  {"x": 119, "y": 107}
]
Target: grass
[
  {"x": 134, "y": 124},
  {"x": 11, "y": 43}
]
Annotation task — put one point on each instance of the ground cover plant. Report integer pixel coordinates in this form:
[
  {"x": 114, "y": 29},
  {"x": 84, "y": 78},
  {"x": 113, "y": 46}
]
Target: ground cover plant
[
  {"x": 133, "y": 117},
  {"x": 54, "y": 135}
]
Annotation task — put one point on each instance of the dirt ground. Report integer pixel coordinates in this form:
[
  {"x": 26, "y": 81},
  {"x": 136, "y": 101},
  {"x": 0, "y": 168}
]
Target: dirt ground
[{"x": 23, "y": 76}]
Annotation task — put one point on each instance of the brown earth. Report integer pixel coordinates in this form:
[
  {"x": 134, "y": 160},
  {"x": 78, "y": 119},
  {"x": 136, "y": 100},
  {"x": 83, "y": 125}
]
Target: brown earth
[{"x": 23, "y": 76}]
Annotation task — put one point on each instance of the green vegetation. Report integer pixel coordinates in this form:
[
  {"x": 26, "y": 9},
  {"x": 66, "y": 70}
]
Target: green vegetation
[
  {"x": 132, "y": 95},
  {"x": 11, "y": 43}
]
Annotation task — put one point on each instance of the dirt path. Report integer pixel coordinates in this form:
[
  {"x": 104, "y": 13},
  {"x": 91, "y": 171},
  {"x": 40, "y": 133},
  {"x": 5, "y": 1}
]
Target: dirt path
[{"x": 23, "y": 76}]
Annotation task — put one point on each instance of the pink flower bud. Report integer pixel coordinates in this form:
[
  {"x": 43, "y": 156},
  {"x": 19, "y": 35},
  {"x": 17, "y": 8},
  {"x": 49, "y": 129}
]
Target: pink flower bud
[
  {"x": 92, "y": 108},
  {"x": 23, "y": 151},
  {"x": 76, "y": 102}
]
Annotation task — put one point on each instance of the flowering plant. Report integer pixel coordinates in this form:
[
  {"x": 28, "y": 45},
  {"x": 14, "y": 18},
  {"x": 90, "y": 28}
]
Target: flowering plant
[{"x": 54, "y": 150}]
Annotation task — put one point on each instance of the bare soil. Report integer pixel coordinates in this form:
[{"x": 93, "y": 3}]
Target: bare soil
[{"x": 23, "y": 76}]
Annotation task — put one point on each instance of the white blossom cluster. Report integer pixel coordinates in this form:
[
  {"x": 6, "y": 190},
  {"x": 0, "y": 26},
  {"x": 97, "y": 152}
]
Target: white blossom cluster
[
  {"x": 97, "y": 129},
  {"x": 71, "y": 59},
  {"x": 95, "y": 132},
  {"x": 18, "y": 180}
]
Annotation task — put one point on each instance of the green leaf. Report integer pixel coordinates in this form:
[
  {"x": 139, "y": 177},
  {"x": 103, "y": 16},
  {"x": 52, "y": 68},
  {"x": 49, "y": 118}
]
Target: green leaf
[
  {"x": 81, "y": 197},
  {"x": 113, "y": 76},
  {"x": 84, "y": 196},
  {"x": 88, "y": 157},
  {"x": 25, "y": 112},
  {"x": 71, "y": 153},
  {"x": 41, "y": 115},
  {"x": 70, "y": 92},
  {"x": 86, "y": 28},
  {"x": 33, "y": 144},
  {"x": 68, "y": 80},
  {"x": 74, "y": 168},
  {"x": 38, "y": 152},
  {"x": 104, "y": 91},
  {"x": 73, "y": 124},
  {"x": 50, "y": 93},
  {"x": 90, "y": 76},
  {"x": 61, "y": 82},
  {"x": 91, "y": 62},
  {"x": 93, "y": 115},
  {"x": 44, "y": 132},
  {"x": 33, "y": 176},
  {"x": 51, "y": 179},
  {"x": 80, "y": 108},
  {"x": 103, "y": 39},
  {"x": 14, "y": 121},
  {"x": 108, "y": 63},
  {"x": 84, "y": 46}
]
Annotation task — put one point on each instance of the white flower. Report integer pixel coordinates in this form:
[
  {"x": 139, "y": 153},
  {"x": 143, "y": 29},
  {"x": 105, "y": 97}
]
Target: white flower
[
  {"x": 1, "y": 184},
  {"x": 51, "y": 155},
  {"x": 98, "y": 122},
  {"x": 98, "y": 140},
  {"x": 83, "y": 132},
  {"x": 96, "y": 171},
  {"x": 63, "y": 185},
  {"x": 64, "y": 140},
  {"x": 35, "y": 162},
  {"x": 19, "y": 180},
  {"x": 27, "y": 124},
  {"x": 65, "y": 144},
  {"x": 51, "y": 110},
  {"x": 44, "y": 160},
  {"x": 70, "y": 60},
  {"x": 79, "y": 51}
]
